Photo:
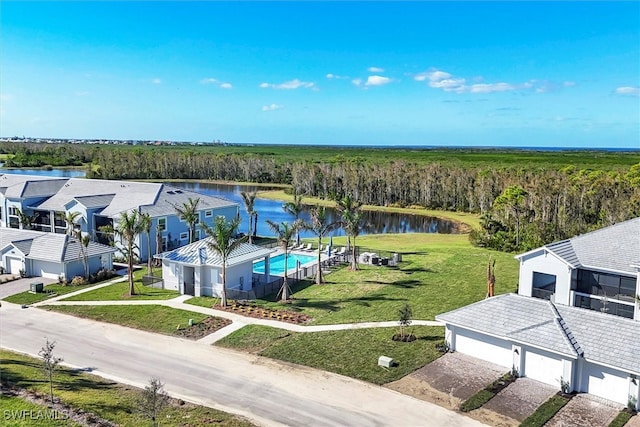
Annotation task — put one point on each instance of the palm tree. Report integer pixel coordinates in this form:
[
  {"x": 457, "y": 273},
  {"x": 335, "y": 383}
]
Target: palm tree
[
  {"x": 351, "y": 219},
  {"x": 284, "y": 234},
  {"x": 249, "y": 201},
  {"x": 70, "y": 219},
  {"x": 188, "y": 212},
  {"x": 294, "y": 208},
  {"x": 26, "y": 221},
  {"x": 320, "y": 227},
  {"x": 145, "y": 224},
  {"x": 84, "y": 241},
  {"x": 221, "y": 241},
  {"x": 128, "y": 228}
]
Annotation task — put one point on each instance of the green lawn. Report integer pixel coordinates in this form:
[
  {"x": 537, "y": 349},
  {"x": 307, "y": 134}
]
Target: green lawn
[
  {"x": 438, "y": 273},
  {"x": 545, "y": 412},
  {"x": 50, "y": 291},
  {"x": 112, "y": 401},
  {"x": 119, "y": 291},
  {"x": 152, "y": 318},
  {"x": 18, "y": 412},
  {"x": 353, "y": 353}
]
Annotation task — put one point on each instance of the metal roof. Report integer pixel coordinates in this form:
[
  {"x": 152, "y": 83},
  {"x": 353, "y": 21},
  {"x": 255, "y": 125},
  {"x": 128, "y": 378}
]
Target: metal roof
[{"x": 198, "y": 253}]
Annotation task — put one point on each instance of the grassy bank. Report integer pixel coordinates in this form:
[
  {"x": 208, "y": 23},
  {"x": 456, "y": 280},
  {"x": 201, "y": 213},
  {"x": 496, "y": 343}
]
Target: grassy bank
[
  {"x": 106, "y": 399},
  {"x": 49, "y": 292},
  {"x": 353, "y": 353},
  {"x": 438, "y": 273},
  {"x": 120, "y": 291}
]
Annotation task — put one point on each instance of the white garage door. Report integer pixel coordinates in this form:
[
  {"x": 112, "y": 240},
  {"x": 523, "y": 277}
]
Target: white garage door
[
  {"x": 14, "y": 264},
  {"x": 542, "y": 366},
  {"x": 484, "y": 347},
  {"x": 605, "y": 382}
]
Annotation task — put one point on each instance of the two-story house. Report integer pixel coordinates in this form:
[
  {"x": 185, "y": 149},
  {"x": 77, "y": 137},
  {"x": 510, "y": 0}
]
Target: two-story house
[
  {"x": 575, "y": 321},
  {"x": 45, "y": 201}
]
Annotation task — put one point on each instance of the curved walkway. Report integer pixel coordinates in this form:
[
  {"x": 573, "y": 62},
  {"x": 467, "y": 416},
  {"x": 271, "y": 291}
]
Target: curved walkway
[{"x": 238, "y": 321}]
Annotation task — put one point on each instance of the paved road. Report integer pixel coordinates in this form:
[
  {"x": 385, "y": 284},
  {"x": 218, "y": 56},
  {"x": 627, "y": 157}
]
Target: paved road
[{"x": 268, "y": 392}]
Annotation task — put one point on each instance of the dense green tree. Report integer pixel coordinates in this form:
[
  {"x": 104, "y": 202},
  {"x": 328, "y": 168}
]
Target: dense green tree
[{"x": 284, "y": 235}]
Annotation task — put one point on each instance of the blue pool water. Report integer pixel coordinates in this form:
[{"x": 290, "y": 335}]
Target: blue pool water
[{"x": 276, "y": 263}]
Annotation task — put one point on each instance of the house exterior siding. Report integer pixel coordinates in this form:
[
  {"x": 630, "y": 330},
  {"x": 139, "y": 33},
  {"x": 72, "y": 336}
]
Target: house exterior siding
[{"x": 545, "y": 262}]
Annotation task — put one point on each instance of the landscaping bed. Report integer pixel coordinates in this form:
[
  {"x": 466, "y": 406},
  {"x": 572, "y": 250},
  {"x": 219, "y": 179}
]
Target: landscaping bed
[
  {"x": 203, "y": 328},
  {"x": 259, "y": 312}
]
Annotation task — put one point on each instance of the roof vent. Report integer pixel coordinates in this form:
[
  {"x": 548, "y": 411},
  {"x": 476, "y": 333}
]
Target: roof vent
[
  {"x": 178, "y": 191},
  {"x": 170, "y": 192}
]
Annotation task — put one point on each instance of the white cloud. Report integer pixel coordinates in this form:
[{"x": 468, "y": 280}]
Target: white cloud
[
  {"x": 156, "y": 81},
  {"x": 628, "y": 90},
  {"x": 375, "y": 70},
  {"x": 433, "y": 76},
  {"x": 208, "y": 81},
  {"x": 291, "y": 84},
  {"x": 568, "y": 84},
  {"x": 377, "y": 81},
  {"x": 331, "y": 76},
  {"x": 272, "y": 107},
  {"x": 491, "y": 87},
  {"x": 82, "y": 93},
  {"x": 356, "y": 82},
  {"x": 226, "y": 85}
]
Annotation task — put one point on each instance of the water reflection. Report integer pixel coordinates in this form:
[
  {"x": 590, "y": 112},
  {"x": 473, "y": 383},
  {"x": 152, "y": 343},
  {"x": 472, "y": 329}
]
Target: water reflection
[
  {"x": 66, "y": 173},
  {"x": 377, "y": 222}
]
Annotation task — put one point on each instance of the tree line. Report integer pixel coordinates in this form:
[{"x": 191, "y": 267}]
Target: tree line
[{"x": 522, "y": 206}]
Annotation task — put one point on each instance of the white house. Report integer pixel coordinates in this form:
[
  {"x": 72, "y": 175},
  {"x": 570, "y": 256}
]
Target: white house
[
  {"x": 574, "y": 321},
  {"x": 50, "y": 255},
  {"x": 196, "y": 270},
  {"x": 101, "y": 202}
]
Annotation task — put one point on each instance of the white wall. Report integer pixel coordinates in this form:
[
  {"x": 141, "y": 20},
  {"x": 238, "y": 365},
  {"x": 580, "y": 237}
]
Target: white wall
[
  {"x": 604, "y": 382},
  {"x": 484, "y": 347},
  {"x": 51, "y": 270},
  {"x": 170, "y": 276},
  {"x": 543, "y": 366},
  {"x": 544, "y": 262}
]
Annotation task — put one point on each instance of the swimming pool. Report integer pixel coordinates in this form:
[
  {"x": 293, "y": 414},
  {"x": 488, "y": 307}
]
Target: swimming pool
[{"x": 276, "y": 263}]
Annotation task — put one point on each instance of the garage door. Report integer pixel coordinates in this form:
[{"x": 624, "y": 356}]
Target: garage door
[
  {"x": 542, "y": 366},
  {"x": 484, "y": 347},
  {"x": 605, "y": 382},
  {"x": 14, "y": 264}
]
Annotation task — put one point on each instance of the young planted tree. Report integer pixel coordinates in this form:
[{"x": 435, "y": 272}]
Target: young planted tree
[
  {"x": 349, "y": 209},
  {"x": 404, "y": 319},
  {"x": 127, "y": 229},
  {"x": 26, "y": 221},
  {"x": 145, "y": 224},
  {"x": 320, "y": 226},
  {"x": 353, "y": 225},
  {"x": 294, "y": 208},
  {"x": 49, "y": 363},
  {"x": 152, "y": 400},
  {"x": 284, "y": 235},
  {"x": 188, "y": 212},
  {"x": 249, "y": 200},
  {"x": 222, "y": 241},
  {"x": 84, "y": 241}
]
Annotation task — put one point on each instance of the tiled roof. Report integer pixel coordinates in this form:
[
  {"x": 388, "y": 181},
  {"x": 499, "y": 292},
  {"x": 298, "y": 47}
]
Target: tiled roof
[
  {"x": 172, "y": 196},
  {"x": 21, "y": 186},
  {"x": 614, "y": 248},
  {"x": 74, "y": 251},
  {"x": 198, "y": 253},
  {"x": 571, "y": 331},
  {"x": 98, "y": 201}
]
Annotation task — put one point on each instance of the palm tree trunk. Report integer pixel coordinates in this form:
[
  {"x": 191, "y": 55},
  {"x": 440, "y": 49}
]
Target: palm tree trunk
[
  {"x": 223, "y": 297},
  {"x": 319, "y": 273},
  {"x": 132, "y": 291},
  {"x": 285, "y": 286},
  {"x": 354, "y": 261}
]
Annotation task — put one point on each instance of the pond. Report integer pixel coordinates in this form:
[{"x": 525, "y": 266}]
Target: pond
[{"x": 377, "y": 222}]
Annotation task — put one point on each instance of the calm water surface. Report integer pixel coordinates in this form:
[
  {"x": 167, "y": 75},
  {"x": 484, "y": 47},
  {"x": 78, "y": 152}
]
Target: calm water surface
[{"x": 377, "y": 222}]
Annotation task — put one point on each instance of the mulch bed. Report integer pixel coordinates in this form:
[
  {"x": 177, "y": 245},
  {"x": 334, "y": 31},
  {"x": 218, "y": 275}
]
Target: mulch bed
[
  {"x": 202, "y": 329},
  {"x": 265, "y": 313}
]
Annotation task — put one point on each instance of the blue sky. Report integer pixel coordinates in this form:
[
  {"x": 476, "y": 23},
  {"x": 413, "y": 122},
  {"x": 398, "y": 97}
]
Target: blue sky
[{"x": 544, "y": 74}]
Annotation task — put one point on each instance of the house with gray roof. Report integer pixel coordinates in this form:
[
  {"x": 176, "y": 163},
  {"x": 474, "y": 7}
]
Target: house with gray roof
[
  {"x": 99, "y": 203},
  {"x": 35, "y": 253},
  {"x": 196, "y": 269},
  {"x": 598, "y": 271},
  {"x": 574, "y": 321},
  {"x": 587, "y": 350}
]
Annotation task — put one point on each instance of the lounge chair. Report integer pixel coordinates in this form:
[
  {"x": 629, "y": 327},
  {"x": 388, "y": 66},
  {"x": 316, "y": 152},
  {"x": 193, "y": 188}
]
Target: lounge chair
[
  {"x": 308, "y": 248},
  {"x": 298, "y": 248}
]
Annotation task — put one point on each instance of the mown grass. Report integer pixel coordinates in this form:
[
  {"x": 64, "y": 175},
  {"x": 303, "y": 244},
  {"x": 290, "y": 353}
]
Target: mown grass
[
  {"x": 18, "y": 412},
  {"x": 545, "y": 412},
  {"x": 120, "y": 291},
  {"x": 109, "y": 400},
  {"x": 353, "y": 353},
  {"x": 621, "y": 419},
  {"x": 438, "y": 273},
  {"x": 151, "y": 318},
  {"x": 49, "y": 292}
]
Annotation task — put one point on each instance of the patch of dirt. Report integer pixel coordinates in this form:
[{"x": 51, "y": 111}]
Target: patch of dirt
[
  {"x": 265, "y": 313},
  {"x": 404, "y": 338},
  {"x": 201, "y": 329},
  {"x": 419, "y": 389},
  {"x": 492, "y": 418},
  {"x": 634, "y": 421}
]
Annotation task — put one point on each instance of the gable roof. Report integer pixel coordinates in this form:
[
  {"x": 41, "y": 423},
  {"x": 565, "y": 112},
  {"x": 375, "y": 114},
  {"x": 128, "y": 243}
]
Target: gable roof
[
  {"x": 24, "y": 186},
  {"x": 49, "y": 246},
  {"x": 614, "y": 248},
  {"x": 198, "y": 253},
  {"x": 570, "y": 331}
]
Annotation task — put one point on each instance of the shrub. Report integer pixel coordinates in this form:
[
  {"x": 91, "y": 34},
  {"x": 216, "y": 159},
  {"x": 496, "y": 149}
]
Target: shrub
[
  {"x": 78, "y": 281},
  {"x": 102, "y": 275}
]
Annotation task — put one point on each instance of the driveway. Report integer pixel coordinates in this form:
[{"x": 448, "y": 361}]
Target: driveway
[
  {"x": 21, "y": 285},
  {"x": 585, "y": 410},
  {"x": 520, "y": 399},
  {"x": 266, "y": 391}
]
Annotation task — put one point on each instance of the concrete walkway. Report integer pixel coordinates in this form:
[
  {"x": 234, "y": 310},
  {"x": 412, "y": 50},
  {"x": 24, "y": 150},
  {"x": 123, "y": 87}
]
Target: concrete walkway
[{"x": 238, "y": 321}]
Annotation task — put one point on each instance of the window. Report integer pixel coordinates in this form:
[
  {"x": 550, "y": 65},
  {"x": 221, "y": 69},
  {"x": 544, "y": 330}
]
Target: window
[
  {"x": 544, "y": 285},
  {"x": 605, "y": 284},
  {"x": 184, "y": 236},
  {"x": 13, "y": 211},
  {"x": 162, "y": 224},
  {"x": 208, "y": 214}
]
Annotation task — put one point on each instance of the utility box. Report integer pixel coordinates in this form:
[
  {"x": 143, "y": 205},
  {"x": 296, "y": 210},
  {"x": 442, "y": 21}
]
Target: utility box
[
  {"x": 37, "y": 287},
  {"x": 385, "y": 361}
]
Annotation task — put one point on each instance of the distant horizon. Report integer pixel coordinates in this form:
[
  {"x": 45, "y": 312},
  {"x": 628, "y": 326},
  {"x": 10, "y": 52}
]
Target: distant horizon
[{"x": 367, "y": 73}]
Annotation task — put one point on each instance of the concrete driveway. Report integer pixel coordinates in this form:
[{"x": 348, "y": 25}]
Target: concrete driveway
[
  {"x": 585, "y": 410},
  {"x": 21, "y": 285}
]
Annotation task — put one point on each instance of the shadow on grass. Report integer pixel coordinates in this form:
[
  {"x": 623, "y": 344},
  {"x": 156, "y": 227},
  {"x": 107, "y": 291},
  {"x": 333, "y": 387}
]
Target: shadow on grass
[{"x": 333, "y": 305}]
